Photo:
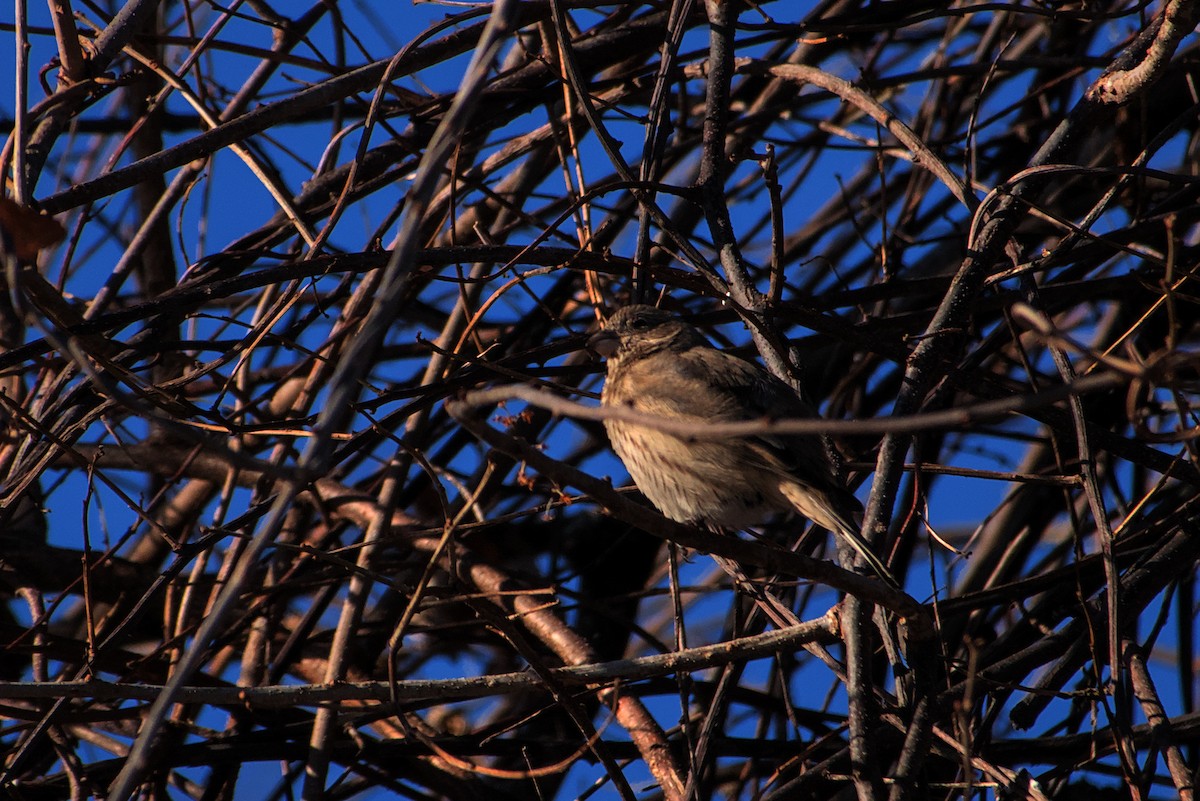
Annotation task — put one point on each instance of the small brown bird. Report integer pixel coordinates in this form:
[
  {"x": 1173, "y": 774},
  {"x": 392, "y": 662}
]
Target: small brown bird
[{"x": 661, "y": 366}]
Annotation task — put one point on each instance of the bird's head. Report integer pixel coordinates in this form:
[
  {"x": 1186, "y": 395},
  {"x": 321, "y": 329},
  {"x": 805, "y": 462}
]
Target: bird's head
[{"x": 638, "y": 330}]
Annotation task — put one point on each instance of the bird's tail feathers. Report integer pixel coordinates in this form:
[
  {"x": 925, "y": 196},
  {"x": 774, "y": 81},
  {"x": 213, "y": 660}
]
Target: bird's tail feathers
[
  {"x": 822, "y": 510},
  {"x": 860, "y": 546}
]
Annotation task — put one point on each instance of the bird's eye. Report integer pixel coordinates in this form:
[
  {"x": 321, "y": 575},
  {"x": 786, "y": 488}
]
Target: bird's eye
[{"x": 639, "y": 324}]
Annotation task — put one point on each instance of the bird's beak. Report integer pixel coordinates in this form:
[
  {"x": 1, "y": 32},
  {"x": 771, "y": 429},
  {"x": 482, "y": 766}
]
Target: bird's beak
[{"x": 603, "y": 343}]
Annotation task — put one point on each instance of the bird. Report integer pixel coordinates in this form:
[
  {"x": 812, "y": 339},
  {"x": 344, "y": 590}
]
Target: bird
[{"x": 659, "y": 365}]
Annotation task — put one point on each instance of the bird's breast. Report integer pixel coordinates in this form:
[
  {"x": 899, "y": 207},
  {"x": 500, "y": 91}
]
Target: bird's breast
[{"x": 711, "y": 482}]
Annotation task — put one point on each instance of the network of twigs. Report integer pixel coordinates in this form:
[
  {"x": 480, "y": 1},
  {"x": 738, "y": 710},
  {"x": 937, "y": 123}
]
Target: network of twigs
[{"x": 298, "y": 496}]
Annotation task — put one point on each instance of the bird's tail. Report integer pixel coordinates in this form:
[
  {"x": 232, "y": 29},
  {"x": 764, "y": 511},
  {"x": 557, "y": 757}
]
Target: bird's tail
[
  {"x": 825, "y": 512},
  {"x": 846, "y": 531}
]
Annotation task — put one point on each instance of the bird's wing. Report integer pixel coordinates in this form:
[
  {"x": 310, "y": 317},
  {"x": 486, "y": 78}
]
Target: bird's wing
[{"x": 748, "y": 392}]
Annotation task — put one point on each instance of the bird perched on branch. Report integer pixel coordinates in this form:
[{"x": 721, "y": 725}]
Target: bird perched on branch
[{"x": 661, "y": 366}]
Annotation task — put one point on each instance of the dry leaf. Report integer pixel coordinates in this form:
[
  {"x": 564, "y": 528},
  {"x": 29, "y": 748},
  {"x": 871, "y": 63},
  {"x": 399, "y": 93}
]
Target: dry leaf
[{"x": 29, "y": 230}]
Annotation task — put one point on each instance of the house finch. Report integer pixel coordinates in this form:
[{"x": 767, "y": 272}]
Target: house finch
[{"x": 660, "y": 365}]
